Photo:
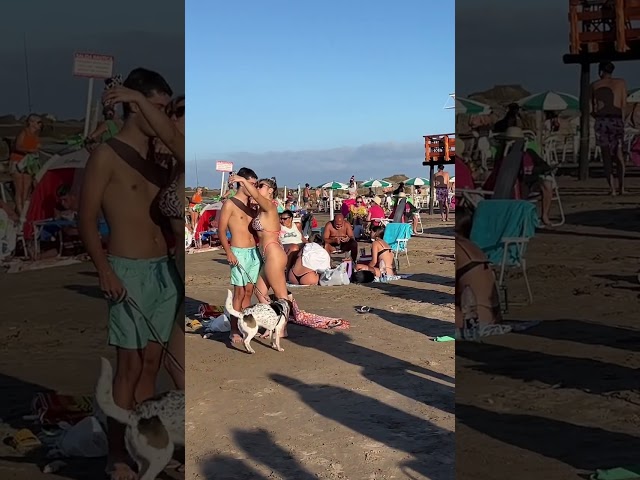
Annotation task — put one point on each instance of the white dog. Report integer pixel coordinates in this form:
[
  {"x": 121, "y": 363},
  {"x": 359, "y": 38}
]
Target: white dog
[
  {"x": 154, "y": 427},
  {"x": 272, "y": 316}
]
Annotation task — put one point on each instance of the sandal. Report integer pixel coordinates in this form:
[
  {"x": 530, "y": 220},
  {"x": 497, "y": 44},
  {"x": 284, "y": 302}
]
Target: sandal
[
  {"x": 194, "y": 325},
  {"x": 24, "y": 440},
  {"x": 363, "y": 309}
]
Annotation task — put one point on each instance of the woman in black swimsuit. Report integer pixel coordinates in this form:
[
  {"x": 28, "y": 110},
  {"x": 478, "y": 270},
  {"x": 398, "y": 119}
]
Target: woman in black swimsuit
[
  {"x": 473, "y": 269},
  {"x": 381, "y": 254}
]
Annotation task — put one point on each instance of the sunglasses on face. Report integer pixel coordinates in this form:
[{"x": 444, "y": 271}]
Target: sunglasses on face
[{"x": 285, "y": 218}]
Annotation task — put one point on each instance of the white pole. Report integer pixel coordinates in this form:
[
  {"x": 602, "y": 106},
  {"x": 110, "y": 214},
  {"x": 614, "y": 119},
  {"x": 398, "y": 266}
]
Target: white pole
[
  {"x": 87, "y": 114},
  {"x": 285, "y": 193},
  {"x": 222, "y": 185},
  {"x": 299, "y": 195},
  {"x": 331, "y": 204}
]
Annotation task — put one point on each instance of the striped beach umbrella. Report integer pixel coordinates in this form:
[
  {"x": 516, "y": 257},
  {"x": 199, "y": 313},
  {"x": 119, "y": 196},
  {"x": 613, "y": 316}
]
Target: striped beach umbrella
[
  {"x": 417, "y": 181},
  {"x": 633, "y": 96},
  {"x": 333, "y": 186},
  {"x": 377, "y": 184},
  {"x": 550, "y": 101},
  {"x": 471, "y": 107}
]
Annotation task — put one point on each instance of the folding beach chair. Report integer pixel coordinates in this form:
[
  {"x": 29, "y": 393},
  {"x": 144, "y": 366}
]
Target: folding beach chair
[
  {"x": 397, "y": 235},
  {"x": 502, "y": 229}
]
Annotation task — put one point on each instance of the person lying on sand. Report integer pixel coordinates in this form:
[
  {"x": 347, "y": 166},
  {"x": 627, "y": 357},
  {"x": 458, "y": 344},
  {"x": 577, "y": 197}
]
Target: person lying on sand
[{"x": 473, "y": 269}]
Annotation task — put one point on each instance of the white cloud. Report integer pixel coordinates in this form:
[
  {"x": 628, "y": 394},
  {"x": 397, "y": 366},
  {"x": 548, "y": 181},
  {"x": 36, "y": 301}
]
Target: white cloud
[{"x": 373, "y": 160}]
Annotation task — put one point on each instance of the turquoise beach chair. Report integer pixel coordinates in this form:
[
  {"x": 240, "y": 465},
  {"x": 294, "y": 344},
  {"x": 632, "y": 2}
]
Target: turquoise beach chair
[{"x": 502, "y": 229}]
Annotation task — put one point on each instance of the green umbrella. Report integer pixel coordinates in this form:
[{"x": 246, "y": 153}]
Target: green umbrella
[
  {"x": 633, "y": 95},
  {"x": 471, "y": 107},
  {"x": 377, "y": 184},
  {"x": 417, "y": 181},
  {"x": 335, "y": 186},
  {"x": 550, "y": 101}
]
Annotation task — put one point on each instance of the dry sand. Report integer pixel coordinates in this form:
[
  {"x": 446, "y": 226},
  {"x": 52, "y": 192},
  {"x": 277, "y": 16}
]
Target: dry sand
[
  {"x": 375, "y": 401},
  {"x": 561, "y": 399},
  {"x": 53, "y": 334}
]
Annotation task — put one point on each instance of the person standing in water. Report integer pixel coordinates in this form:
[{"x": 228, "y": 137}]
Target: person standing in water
[
  {"x": 608, "y": 104},
  {"x": 441, "y": 181}
]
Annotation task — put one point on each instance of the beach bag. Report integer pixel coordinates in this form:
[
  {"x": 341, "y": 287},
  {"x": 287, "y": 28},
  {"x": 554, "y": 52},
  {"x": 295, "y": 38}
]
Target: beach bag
[{"x": 336, "y": 276}]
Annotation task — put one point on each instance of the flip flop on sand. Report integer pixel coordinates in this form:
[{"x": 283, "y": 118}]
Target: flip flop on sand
[
  {"x": 194, "y": 324},
  {"x": 363, "y": 309},
  {"x": 24, "y": 441}
]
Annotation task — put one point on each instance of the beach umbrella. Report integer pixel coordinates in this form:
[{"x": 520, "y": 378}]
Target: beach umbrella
[
  {"x": 417, "y": 181},
  {"x": 550, "y": 101},
  {"x": 333, "y": 186},
  {"x": 376, "y": 184},
  {"x": 471, "y": 107},
  {"x": 634, "y": 95}
]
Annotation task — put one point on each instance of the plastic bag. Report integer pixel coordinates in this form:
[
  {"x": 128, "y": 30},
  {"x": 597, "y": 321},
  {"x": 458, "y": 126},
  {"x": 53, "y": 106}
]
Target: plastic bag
[{"x": 336, "y": 276}]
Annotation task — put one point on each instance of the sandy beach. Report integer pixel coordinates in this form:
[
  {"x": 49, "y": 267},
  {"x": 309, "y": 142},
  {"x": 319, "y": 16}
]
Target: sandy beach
[
  {"x": 54, "y": 332},
  {"x": 375, "y": 401},
  {"x": 561, "y": 399}
]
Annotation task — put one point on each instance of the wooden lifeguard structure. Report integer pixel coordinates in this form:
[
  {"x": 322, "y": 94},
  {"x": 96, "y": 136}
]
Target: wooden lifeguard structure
[
  {"x": 600, "y": 30},
  {"x": 439, "y": 149}
]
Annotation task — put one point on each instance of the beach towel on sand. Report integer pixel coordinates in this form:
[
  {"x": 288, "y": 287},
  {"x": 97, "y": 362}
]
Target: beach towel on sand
[
  {"x": 299, "y": 317},
  {"x": 494, "y": 220}
]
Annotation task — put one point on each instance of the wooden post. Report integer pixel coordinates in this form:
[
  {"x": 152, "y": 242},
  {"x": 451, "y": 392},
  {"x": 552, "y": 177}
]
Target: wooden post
[
  {"x": 585, "y": 119},
  {"x": 431, "y": 189}
]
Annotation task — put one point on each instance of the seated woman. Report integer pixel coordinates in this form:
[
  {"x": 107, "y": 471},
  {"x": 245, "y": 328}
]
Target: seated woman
[
  {"x": 358, "y": 216},
  {"x": 473, "y": 269},
  {"x": 290, "y": 236},
  {"x": 381, "y": 254}
]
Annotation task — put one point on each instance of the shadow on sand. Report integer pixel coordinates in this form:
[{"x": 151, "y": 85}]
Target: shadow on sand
[
  {"x": 259, "y": 446},
  {"x": 585, "y": 448}
]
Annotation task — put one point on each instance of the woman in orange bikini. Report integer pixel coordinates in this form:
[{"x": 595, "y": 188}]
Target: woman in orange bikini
[
  {"x": 27, "y": 142},
  {"x": 266, "y": 224}
]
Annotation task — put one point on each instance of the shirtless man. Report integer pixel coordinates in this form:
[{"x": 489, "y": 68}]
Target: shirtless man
[
  {"x": 608, "y": 104},
  {"x": 121, "y": 181},
  {"x": 441, "y": 182},
  {"x": 242, "y": 254},
  {"x": 339, "y": 233}
]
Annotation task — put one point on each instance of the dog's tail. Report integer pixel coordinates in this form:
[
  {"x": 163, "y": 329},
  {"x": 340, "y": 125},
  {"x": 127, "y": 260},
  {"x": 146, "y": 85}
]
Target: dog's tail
[
  {"x": 104, "y": 396},
  {"x": 229, "y": 305}
]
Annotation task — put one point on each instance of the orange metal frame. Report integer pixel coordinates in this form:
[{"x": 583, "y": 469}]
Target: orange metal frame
[
  {"x": 439, "y": 149},
  {"x": 599, "y": 26}
]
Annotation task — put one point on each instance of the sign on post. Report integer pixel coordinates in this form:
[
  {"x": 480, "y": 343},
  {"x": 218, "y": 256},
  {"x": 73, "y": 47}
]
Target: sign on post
[
  {"x": 91, "y": 66},
  {"x": 223, "y": 167}
]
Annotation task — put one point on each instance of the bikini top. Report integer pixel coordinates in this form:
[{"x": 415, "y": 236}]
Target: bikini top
[
  {"x": 257, "y": 226},
  {"x": 169, "y": 202}
]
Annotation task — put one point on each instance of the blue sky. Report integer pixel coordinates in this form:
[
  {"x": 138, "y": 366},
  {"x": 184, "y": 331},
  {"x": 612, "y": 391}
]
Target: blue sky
[
  {"x": 316, "y": 91},
  {"x": 150, "y": 34}
]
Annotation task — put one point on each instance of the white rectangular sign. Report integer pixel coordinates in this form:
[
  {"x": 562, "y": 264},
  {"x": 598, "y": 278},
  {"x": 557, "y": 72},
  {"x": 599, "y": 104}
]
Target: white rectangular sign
[
  {"x": 224, "y": 166},
  {"x": 92, "y": 65}
]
